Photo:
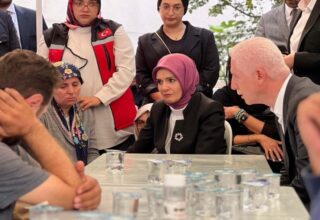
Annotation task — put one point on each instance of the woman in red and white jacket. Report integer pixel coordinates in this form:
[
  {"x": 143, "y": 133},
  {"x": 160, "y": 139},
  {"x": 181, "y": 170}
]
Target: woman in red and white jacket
[{"x": 102, "y": 51}]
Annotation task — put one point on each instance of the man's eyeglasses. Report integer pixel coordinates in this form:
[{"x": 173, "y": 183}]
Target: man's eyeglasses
[
  {"x": 89, "y": 4},
  {"x": 175, "y": 8}
]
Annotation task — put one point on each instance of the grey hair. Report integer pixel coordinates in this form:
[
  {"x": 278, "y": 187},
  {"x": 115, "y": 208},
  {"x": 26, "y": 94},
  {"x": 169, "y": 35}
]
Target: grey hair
[{"x": 259, "y": 52}]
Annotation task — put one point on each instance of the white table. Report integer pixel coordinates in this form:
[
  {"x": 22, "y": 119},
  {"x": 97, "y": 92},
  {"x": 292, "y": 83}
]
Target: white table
[
  {"x": 288, "y": 207},
  {"x": 134, "y": 179},
  {"x": 135, "y": 171}
]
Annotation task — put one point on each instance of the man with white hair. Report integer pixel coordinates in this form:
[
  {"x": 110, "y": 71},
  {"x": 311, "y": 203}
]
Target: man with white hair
[{"x": 268, "y": 81}]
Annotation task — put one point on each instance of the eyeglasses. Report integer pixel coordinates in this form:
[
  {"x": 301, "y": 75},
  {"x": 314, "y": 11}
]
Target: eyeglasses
[
  {"x": 175, "y": 8},
  {"x": 82, "y": 4}
]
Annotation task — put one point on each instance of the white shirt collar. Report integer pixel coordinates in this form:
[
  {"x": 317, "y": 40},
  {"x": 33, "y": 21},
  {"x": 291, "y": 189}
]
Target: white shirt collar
[
  {"x": 177, "y": 113},
  {"x": 11, "y": 9},
  {"x": 278, "y": 106},
  {"x": 287, "y": 9},
  {"x": 306, "y": 8}
]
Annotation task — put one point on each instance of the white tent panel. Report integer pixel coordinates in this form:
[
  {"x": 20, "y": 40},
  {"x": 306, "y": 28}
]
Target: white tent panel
[{"x": 137, "y": 16}]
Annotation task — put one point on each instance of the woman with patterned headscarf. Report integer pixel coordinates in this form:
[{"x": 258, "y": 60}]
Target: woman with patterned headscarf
[
  {"x": 185, "y": 121},
  {"x": 63, "y": 119},
  {"x": 103, "y": 53}
]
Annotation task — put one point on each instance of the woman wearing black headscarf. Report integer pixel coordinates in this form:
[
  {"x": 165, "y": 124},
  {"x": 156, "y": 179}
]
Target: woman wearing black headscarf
[
  {"x": 176, "y": 36},
  {"x": 102, "y": 51}
]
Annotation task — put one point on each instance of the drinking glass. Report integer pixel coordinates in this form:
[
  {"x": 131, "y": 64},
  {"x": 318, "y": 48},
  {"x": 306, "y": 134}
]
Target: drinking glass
[
  {"x": 115, "y": 161},
  {"x": 126, "y": 203}
]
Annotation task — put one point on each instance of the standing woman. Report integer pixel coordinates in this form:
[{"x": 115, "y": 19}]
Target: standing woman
[
  {"x": 102, "y": 51},
  {"x": 176, "y": 36},
  {"x": 185, "y": 121}
]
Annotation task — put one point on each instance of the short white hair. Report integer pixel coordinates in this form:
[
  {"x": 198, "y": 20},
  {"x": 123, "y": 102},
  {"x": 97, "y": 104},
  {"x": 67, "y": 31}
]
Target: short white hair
[{"x": 259, "y": 52}]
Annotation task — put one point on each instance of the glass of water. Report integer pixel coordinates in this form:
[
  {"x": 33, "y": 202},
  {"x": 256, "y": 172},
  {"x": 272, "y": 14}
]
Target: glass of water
[
  {"x": 126, "y": 204},
  {"x": 226, "y": 178},
  {"x": 44, "y": 212},
  {"x": 228, "y": 204},
  {"x": 156, "y": 171},
  {"x": 178, "y": 166},
  {"x": 115, "y": 161},
  {"x": 155, "y": 202},
  {"x": 255, "y": 195},
  {"x": 274, "y": 184}
]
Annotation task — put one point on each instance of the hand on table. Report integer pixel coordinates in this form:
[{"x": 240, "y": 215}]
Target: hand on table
[
  {"x": 271, "y": 148},
  {"x": 88, "y": 193}
]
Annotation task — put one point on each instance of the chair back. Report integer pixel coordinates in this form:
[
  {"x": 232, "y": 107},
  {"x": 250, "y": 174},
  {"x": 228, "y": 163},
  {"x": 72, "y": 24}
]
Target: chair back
[{"x": 228, "y": 136}]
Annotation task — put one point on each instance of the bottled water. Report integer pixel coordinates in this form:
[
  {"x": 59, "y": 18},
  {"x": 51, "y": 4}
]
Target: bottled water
[{"x": 174, "y": 203}]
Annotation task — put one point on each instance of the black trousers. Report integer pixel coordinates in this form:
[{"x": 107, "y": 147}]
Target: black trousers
[{"x": 122, "y": 146}]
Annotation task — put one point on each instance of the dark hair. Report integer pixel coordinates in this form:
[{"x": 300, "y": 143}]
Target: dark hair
[
  {"x": 184, "y": 2},
  {"x": 29, "y": 74}
]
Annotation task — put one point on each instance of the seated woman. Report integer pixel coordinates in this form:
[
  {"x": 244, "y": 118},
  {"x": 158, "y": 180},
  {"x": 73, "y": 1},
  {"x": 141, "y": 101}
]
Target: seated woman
[
  {"x": 141, "y": 118},
  {"x": 65, "y": 122},
  {"x": 185, "y": 121}
]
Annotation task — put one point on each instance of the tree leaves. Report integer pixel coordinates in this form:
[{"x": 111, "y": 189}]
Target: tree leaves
[{"x": 242, "y": 25}]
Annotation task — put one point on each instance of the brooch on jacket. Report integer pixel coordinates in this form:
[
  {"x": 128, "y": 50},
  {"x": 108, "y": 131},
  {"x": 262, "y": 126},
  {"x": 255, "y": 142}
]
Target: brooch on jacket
[{"x": 178, "y": 137}]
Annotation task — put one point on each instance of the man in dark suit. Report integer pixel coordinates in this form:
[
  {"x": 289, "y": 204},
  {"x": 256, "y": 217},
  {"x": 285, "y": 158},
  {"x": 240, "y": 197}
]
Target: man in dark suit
[
  {"x": 275, "y": 24},
  {"x": 268, "y": 81},
  {"x": 8, "y": 36},
  {"x": 304, "y": 57},
  {"x": 25, "y": 24}
]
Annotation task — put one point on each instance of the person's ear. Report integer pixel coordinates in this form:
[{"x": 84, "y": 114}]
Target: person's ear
[
  {"x": 260, "y": 76},
  {"x": 35, "y": 101}
]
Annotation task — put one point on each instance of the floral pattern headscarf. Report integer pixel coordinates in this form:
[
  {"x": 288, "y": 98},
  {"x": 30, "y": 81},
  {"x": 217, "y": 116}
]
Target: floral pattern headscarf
[{"x": 74, "y": 126}]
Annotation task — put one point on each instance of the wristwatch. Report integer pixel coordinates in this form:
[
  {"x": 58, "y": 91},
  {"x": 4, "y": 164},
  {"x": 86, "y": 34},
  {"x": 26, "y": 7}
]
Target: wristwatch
[{"x": 241, "y": 116}]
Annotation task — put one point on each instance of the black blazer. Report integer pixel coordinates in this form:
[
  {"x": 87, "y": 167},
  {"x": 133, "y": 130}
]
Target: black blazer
[
  {"x": 307, "y": 59},
  {"x": 8, "y": 35},
  {"x": 199, "y": 44},
  {"x": 296, "y": 155},
  {"x": 27, "y": 27},
  {"x": 201, "y": 131}
]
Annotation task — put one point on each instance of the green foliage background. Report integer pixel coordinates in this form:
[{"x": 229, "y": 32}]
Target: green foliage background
[{"x": 246, "y": 14}]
